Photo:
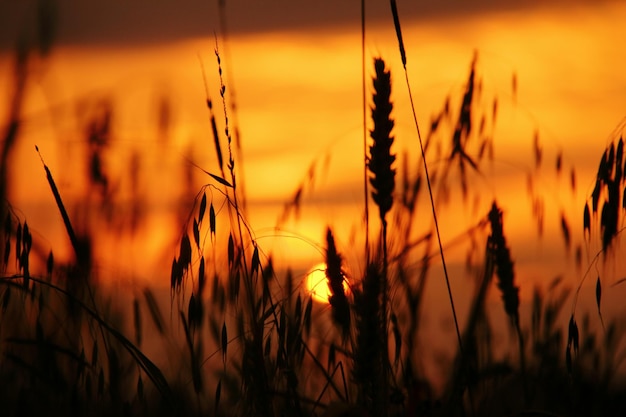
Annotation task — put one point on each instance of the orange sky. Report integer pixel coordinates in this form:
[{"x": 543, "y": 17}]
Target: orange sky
[{"x": 299, "y": 101}]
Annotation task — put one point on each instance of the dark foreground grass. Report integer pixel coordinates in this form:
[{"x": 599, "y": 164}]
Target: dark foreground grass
[{"x": 244, "y": 339}]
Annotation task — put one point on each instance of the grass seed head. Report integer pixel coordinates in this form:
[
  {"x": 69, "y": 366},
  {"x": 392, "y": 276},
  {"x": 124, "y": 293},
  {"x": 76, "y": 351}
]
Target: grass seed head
[
  {"x": 504, "y": 265},
  {"x": 381, "y": 159},
  {"x": 338, "y": 300}
]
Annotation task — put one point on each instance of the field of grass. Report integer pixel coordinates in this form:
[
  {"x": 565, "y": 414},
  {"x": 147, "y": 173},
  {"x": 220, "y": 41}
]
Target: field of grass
[{"x": 237, "y": 337}]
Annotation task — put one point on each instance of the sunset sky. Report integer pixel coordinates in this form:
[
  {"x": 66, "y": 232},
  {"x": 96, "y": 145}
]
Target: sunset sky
[{"x": 296, "y": 69}]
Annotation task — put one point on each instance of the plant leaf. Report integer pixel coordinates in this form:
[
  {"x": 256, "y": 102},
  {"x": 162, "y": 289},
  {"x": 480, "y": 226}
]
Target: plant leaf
[
  {"x": 212, "y": 219},
  {"x": 184, "y": 258},
  {"x": 599, "y": 298},
  {"x": 255, "y": 260},
  {"x": 587, "y": 220},
  {"x": 202, "y": 208},
  {"x": 201, "y": 276},
  {"x": 191, "y": 311},
  {"x": 218, "y": 394},
  {"x": 598, "y": 293},
  {"x": 565, "y": 231},
  {"x": 572, "y": 336},
  {"x": 196, "y": 233},
  {"x": 231, "y": 250},
  {"x": 18, "y": 243},
  {"x": 50, "y": 264},
  {"x": 224, "y": 342},
  {"x": 220, "y": 180}
]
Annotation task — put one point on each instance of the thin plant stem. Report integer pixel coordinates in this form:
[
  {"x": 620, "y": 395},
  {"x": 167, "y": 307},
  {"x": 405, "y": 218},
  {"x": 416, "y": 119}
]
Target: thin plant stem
[
  {"x": 364, "y": 107},
  {"x": 430, "y": 191},
  {"x": 432, "y": 204},
  {"x": 522, "y": 360},
  {"x": 84, "y": 269},
  {"x": 233, "y": 108},
  {"x": 231, "y": 168},
  {"x": 385, "y": 330}
]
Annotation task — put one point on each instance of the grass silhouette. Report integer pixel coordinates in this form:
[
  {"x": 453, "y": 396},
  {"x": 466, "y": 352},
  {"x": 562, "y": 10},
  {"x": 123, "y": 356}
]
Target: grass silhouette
[{"x": 246, "y": 339}]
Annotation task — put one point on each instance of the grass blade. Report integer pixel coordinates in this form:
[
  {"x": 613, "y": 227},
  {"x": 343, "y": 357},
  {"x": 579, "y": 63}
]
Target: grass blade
[
  {"x": 396, "y": 24},
  {"x": 59, "y": 202}
]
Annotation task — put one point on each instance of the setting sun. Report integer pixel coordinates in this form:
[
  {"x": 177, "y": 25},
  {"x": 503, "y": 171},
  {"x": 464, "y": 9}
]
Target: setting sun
[{"x": 317, "y": 284}]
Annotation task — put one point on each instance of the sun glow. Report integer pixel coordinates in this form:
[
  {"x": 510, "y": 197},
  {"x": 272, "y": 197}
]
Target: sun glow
[{"x": 317, "y": 284}]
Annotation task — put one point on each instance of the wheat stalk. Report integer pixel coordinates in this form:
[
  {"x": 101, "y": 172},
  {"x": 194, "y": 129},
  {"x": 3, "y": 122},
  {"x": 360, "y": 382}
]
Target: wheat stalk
[
  {"x": 396, "y": 21},
  {"x": 383, "y": 184},
  {"x": 368, "y": 350},
  {"x": 381, "y": 159},
  {"x": 338, "y": 300},
  {"x": 505, "y": 273},
  {"x": 364, "y": 106}
]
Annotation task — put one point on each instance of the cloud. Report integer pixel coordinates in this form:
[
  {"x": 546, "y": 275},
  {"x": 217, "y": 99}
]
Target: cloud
[{"x": 120, "y": 22}]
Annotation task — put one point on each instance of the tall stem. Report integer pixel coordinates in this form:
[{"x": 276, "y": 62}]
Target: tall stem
[
  {"x": 385, "y": 321},
  {"x": 396, "y": 22},
  {"x": 364, "y": 107}
]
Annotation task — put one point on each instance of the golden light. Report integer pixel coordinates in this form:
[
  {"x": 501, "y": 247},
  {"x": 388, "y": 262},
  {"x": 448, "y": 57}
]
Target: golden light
[{"x": 317, "y": 284}]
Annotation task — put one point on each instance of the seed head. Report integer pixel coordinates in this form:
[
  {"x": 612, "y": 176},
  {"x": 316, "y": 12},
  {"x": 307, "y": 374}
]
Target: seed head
[
  {"x": 504, "y": 265},
  {"x": 381, "y": 159}
]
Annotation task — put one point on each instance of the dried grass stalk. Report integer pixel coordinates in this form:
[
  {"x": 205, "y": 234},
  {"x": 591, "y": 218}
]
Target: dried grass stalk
[
  {"x": 338, "y": 300},
  {"x": 506, "y": 282},
  {"x": 504, "y": 265}
]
